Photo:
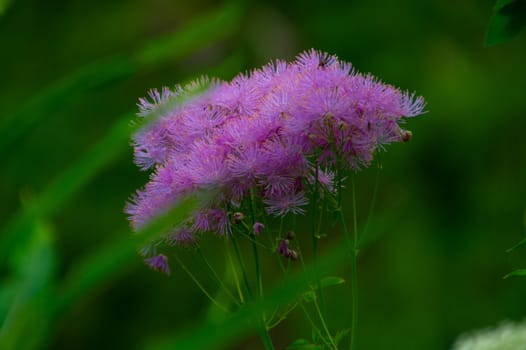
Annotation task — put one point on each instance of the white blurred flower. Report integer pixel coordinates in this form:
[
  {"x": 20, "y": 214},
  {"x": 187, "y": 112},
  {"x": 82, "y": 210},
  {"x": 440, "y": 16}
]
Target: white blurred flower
[{"x": 507, "y": 336}]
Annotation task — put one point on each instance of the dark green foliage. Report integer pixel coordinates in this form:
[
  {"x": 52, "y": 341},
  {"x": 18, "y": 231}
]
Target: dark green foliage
[{"x": 508, "y": 19}]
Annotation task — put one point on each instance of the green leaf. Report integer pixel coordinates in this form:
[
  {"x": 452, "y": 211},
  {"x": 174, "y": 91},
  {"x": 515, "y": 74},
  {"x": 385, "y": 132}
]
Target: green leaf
[
  {"x": 340, "y": 335},
  {"x": 508, "y": 19},
  {"x": 32, "y": 272},
  {"x": 520, "y": 272},
  {"x": 518, "y": 245},
  {"x": 331, "y": 281},
  {"x": 302, "y": 344}
]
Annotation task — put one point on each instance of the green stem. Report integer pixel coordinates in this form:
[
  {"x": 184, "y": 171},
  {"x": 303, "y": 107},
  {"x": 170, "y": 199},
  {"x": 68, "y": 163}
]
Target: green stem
[
  {"x": 352, "y": 244},
  {"x": 216, "y": 277},
  {"x": 234, "y": 271},
  {"x": 324, "y": 325},
  {"x": 285, "y": 271},
  {"x": 259, "y": 281},
  {"x": 331, "y": 342},
  {"x": 372, "y": 206},
  {"x": 315, "y": 241},
  {"x": 242, "y": 265},
  {"x": 354, "y": 291},
  {"x": 215, "y": 302},
  {"x": 354, "y": 255},
  {"x": 265, "y": 337},
  {"x": 264, "y": 331}
]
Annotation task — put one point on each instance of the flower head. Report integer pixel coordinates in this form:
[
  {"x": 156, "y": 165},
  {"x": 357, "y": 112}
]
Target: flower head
[
  {"x": 264, "y": 134},
  {"x": 258, "y": 227},
  {"x": 159, "y": 263}
]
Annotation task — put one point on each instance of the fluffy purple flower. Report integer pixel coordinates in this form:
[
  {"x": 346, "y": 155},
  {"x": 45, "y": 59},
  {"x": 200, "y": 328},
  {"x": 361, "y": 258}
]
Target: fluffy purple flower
[
  {"x": 258, "y": 227},
  {"x": 262, "y": 133},
  {"x": 286, "y": 203},
  {"x": 182, "y": 237},
  {"x": 159, "y": 263}
]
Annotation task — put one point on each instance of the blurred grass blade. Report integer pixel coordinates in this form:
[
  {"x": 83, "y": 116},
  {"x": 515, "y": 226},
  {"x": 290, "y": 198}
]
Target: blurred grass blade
[
  {"x": 509, "y": 18},
  {"x": 310, "y": 295},
  {"x": 520, "y": 272},
  {"x": 202, "y": 31},
  {"x": 59, "y": 93},
  {"x": 33, "y": 266},
  {"x": 331, "y": 281},
  {"x": 198, "y": 34},
  {"x": 211, "y": 335},
  {"x": 56, "y": 195},
  {"x": 518, "y": 245},
  {"x": 113, "y": 258},
  {"x": 68, "y": 183}
]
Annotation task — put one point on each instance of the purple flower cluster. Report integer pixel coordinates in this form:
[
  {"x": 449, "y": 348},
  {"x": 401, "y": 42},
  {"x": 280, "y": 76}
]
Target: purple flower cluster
[{"x": 265, "y": 133}]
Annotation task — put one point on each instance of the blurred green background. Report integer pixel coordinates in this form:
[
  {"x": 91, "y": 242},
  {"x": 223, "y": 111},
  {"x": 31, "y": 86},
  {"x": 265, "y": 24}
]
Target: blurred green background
[{"x": 449, "y": 203}]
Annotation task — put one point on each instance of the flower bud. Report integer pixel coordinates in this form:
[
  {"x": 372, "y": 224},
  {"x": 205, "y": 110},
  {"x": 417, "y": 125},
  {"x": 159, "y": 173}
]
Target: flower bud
[
  {"x": 292, "y": 255},
  {"x": 258, "y": 227},
  {"x": 283, "y": 247},
  {"x": 238, "y": 217},
  {"x": 406, "y": 135}
]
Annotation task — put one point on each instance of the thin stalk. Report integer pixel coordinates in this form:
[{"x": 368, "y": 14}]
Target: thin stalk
[
  {"x": 305, "y": 311},
  {"x": 259, "y": 280},
  {"x": 264, "y": 331},
  {"x": 262, "y": 328},
  {"x": 234, "y": 271},
  {"x": 320, "y": 315},
  {"x": 354, "y": 253},
  {"x": 242, "y": 265},
  {"x": 216, "y": 277},
  {"x": 215, "y": 302},
  {"x": 355, "y": 221},
  {"x": 315, "y": 240},
  {"x": 354, "y": 291},
  {"x": 283, "y": 316},
  {"x": 265, "y": 337},
  {"x": 259, "y": 283},
  {"x": 372, "y": 206},
  {"x": 324, "y": 325},
  {"x": 313, "y": 325},
  {"x": 252, "y": 238}
]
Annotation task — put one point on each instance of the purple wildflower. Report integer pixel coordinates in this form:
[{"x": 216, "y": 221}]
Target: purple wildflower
[
  {"x": 285, "y": 251},
  {"x": 159, "y": 263},
  {"x": 262, "y": 133},
  {"x": 283, "y": 247},
  {"x": 182, "y": 236},
  {"x": 258, "y": 227},
  {"x": 286, "y": 203}
]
